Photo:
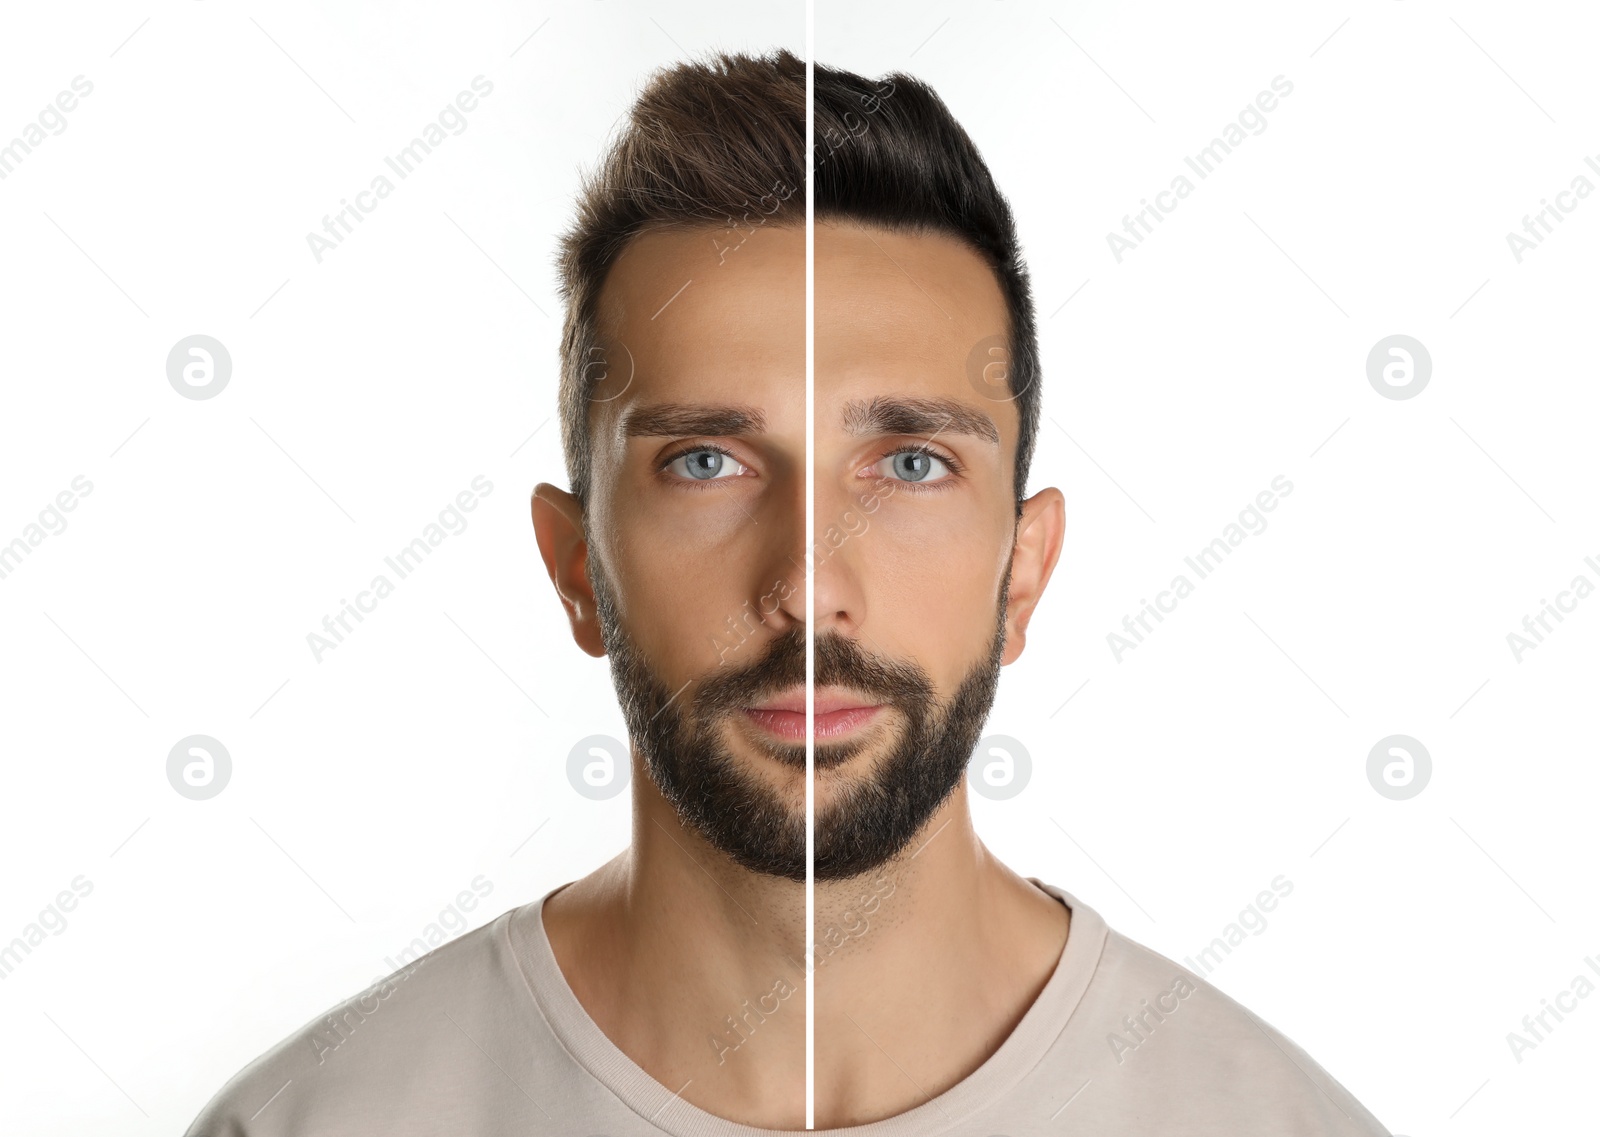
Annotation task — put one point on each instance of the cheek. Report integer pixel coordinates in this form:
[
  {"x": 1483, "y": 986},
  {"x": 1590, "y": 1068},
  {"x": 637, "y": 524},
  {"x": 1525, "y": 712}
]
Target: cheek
[
  {"x": 932, "y": 585},
  {"x": 935, "y": 549},
  {"x": 683, "y": 593}
]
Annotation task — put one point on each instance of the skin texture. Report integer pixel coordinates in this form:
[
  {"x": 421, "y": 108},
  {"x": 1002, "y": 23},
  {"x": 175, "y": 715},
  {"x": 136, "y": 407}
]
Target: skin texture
[{"x": 669, "y": 940}]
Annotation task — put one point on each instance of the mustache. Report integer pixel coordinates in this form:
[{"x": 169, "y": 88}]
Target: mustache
[{"x": 839, "y": 661}]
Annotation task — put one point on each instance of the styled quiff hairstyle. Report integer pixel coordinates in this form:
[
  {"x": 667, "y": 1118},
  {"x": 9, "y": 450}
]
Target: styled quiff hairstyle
[{"x": 708, "y": 142}]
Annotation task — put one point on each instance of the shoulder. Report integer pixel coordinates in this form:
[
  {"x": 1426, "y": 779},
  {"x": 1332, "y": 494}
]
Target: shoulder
[
  {"x": 1153, "y": 1046},
  {"x": 375, "y": 1054}
]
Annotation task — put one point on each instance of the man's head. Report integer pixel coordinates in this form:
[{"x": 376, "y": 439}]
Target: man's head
[
  {"x": 680, "y": 550},
  {"x": 718, "y": 148}
]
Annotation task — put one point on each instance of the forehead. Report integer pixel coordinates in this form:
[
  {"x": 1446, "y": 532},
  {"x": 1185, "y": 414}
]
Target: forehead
[
  {"x": 919, "y": 316},
  {"x": 719, "y": 315},
  {"x": 708, "y": 313},
  {"x": 896, "y": 304}
]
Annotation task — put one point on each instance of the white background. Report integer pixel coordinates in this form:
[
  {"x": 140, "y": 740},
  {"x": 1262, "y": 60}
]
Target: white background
[{"x": 368, "y": 390}]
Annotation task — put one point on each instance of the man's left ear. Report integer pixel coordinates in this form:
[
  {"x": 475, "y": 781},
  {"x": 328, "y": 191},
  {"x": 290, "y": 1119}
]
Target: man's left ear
[{"x": 1040, "y": 531}]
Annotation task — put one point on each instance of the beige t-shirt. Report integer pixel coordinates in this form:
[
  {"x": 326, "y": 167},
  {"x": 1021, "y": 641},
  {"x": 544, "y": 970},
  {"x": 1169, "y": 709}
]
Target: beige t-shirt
[{"x": 484, "y": 1037}]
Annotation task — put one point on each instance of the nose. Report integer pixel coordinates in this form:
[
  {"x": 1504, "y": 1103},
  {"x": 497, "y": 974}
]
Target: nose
[{"x": 840, "y": 525}]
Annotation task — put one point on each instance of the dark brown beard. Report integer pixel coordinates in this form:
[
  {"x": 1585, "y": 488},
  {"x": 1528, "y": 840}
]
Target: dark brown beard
[{"x": 873, "y": 819}]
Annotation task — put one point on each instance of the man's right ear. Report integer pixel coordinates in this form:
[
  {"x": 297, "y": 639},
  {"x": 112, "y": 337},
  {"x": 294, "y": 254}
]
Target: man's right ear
[{"x": 558, "y": 525}]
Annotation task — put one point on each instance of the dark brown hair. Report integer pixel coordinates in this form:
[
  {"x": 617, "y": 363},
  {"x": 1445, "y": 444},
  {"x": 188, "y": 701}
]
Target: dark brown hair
[{"x": 708, "y": 142}]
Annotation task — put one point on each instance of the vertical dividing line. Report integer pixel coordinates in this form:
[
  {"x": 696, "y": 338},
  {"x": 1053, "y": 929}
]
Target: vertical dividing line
[{"x": 811, "y": 597}]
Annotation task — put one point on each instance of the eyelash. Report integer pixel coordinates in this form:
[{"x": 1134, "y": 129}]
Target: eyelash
[{"x": 955, "y": 467}]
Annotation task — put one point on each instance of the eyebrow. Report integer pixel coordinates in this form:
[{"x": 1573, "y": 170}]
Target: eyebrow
[
  {"x": 673, "y": 419},
  {"x": 879, "y": 415},
  {"x": 895, "y": 415}
]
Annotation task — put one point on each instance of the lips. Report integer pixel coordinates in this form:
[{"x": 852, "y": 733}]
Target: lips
[{"x": 838, "y": 713}]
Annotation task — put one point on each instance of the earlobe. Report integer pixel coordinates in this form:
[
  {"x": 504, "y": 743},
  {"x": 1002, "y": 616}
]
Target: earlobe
[
  {"x": 1040, "y": 533},
  {"x": 558, "y": 527}
]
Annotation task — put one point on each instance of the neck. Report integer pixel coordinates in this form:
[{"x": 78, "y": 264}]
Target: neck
[{"x": 696, "y": 969}]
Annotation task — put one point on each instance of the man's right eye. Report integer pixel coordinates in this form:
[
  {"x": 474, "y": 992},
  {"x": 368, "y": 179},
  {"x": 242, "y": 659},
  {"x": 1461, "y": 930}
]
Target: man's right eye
[{"x": 704, "y": 464}]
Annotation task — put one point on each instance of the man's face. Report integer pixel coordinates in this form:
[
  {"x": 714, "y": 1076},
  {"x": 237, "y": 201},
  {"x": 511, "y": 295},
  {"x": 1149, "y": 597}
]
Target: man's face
[{"x": 697, "y": 538}]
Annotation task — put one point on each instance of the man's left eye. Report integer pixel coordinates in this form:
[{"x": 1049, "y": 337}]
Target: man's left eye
[{"x": 913, "y": 465}]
